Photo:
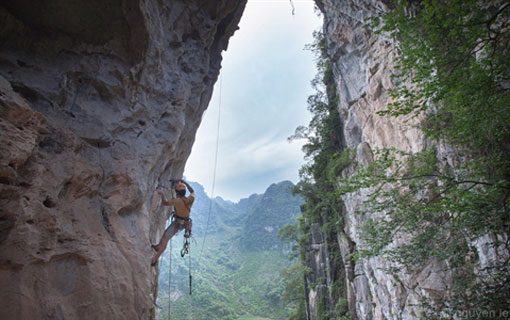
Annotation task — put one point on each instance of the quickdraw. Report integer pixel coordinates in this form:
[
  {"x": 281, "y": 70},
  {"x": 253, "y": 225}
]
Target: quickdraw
[
  {"x": 185, "y": 248},
  {"x": 187, "y": 236}
]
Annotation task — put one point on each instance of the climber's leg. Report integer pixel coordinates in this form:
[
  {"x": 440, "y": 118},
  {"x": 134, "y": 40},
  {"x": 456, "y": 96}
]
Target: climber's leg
[
  {"x": 169, "y": 232},
  {"x": 161, "y": 246}
]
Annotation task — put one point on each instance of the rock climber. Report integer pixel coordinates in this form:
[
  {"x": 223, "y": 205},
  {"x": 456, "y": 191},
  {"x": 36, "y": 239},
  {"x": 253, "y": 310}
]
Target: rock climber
[{"x": 182, "y": 205}]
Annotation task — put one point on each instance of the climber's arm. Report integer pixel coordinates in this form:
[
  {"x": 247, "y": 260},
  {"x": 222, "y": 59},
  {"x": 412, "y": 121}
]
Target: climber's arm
[
  {"x": 164, "y": 200},
  {"x": 190, "y": 189}
]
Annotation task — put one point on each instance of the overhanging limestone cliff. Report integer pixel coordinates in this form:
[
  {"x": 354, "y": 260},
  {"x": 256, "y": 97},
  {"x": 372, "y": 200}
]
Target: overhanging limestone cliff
[{"x": 99, "y": 102}]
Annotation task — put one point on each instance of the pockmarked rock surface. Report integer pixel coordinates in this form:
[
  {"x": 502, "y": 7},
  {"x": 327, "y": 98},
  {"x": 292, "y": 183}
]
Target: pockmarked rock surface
[
  {"x": 99, "y": 103},
  {"x": 363, "y": 64}
]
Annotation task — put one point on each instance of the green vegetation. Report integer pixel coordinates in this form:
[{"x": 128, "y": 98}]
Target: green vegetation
[
  {"x": 453, "y": 73},
  {"x": 238, "y": 274},
  {"x": 326, "y": 157}
]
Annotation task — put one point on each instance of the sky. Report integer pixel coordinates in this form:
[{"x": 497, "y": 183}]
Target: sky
[{"x": 258, "y": 101}]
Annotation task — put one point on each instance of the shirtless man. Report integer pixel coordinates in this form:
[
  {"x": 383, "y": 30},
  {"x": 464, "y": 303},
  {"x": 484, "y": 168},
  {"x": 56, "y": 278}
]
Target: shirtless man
[{"x": 182, "y": 205}]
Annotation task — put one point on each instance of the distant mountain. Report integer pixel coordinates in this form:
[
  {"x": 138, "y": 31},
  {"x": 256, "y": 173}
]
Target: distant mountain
[
  {"x": 260, "y": 215},
  {"x": 225, "y": 203},
  {"x": 267, "y": 214},
  {"x": 213, "y": 214},
  {"x": 248, "y": 203},
  {"x": 237, "y": 273}
]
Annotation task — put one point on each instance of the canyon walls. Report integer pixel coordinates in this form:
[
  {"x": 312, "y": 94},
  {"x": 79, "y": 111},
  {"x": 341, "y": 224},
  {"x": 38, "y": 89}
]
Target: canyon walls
[
  {"x": 99, "y": 103},
  {"x": 363, "y": 63}
]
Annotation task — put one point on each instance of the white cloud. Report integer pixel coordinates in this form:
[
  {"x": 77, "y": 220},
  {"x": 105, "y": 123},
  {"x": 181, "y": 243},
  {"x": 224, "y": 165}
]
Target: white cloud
[
  {"x": 266, "y": 78},
  {"x": 260, "y": 156}
]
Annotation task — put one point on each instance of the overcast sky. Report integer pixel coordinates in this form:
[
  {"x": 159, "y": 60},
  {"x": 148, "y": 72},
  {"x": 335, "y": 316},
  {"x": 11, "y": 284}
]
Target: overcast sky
[{"x": 265, "y": 82}]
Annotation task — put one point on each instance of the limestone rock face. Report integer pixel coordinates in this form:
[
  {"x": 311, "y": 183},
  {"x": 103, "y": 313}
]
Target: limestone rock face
[
  {"x": 323, "y": 273},
  {"x": 99, "y": 103},
  {"x": 362, "y": 64}
]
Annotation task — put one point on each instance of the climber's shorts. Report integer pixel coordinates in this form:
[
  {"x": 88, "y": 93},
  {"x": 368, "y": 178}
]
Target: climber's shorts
[{"x": 172, "y": 229}]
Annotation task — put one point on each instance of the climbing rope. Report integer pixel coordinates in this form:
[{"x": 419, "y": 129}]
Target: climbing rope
[
  {"x": 185, "y": 250},
  {"x": 214, "y": 170},
  {"x": 190, "y": 295},
  {"x": 169, "y": 279},
  {"x": 170, "y": 252},
  {"x": 211, "y": 197},
  {"x": 190, "y": 276},
  {"x": 187, "y": 235}
]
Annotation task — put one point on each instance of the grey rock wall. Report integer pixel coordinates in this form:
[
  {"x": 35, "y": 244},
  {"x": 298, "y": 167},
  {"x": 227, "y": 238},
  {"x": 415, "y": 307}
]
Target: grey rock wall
[
  {"x": 319, "y": 280},
  {"x": 99, "y": 103},
  {"x": 362, "y": 64}
]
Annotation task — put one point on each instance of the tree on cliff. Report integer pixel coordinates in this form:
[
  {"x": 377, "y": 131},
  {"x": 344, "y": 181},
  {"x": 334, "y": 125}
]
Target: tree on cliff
[
  {"x": 326, "y": 158},
  {"x": 454, "y": 71}
]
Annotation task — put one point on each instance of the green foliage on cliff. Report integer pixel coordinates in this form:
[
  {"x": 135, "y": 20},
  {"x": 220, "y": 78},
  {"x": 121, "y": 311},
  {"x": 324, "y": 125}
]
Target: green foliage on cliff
[
  {"x": 326, "y": 158},
  {"x": 455, "y": 56},
  {"x": 454, "y": 73}
]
